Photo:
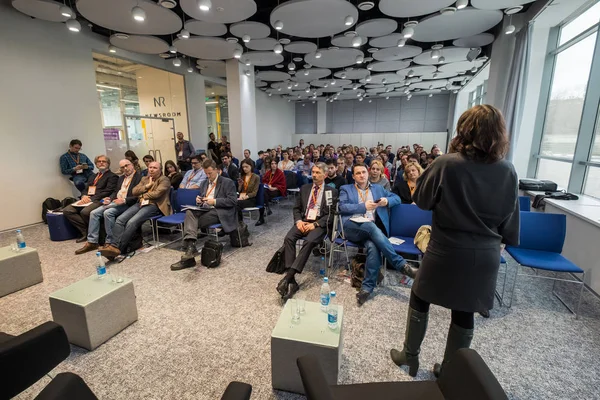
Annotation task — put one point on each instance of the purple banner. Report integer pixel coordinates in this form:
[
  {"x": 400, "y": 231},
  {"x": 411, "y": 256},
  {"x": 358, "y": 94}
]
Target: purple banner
[{"x": 111, "y": 134}]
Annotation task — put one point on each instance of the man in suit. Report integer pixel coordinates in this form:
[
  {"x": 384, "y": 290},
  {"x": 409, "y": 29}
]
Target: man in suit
[
  {"x": 98, "y": 186},
  {"x": 349, "y": 157},
  {"x": 153, "y": 194},
  {"x": 312, "y": 220},
  {"x": 218, "y": 198},
  {"x": 366, "y": 217},
  {"x": 113, "y": 206},
  {"x": 229, "y": 169},
  {"x": 184, "y": 150}
]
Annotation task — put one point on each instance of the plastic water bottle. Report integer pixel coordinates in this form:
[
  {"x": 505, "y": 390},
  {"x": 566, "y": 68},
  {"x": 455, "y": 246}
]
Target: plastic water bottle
[
  {"x": 100, "y": 267},
  {"x": 322, "y": 267},
  {"x": 20, "y": 240},
  {"x": 332, "y": 312},
  {"x": 325, "y": 293}
]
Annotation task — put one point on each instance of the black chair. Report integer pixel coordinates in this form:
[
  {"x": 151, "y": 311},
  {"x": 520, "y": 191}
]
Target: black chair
[{"x": 465, "y": 377}]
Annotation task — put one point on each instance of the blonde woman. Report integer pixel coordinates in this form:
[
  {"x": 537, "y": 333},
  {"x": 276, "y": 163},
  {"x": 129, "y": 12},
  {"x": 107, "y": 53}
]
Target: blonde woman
[
  {"x": 405, "y": 186},
  {"x": 376, "y": 175}
]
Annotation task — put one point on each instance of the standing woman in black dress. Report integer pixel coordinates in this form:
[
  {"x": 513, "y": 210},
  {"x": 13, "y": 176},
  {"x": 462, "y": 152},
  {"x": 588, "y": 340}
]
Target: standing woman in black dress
[{"x": 474, "y": 197}]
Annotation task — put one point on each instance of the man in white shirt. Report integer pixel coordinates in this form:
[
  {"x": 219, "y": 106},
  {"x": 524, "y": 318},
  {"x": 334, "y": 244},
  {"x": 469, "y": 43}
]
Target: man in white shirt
[{"x": 195, "y": 176}]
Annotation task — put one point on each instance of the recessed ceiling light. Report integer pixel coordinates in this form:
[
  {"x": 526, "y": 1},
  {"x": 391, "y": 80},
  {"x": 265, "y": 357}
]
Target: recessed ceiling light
[
  {"x": 298, "y": 59},
  {"x": 513, "y": 10},
  {"x": 284, "y": 41},
  {"x": 232, "y": 40},
  {"x": 122, "y": 36},
  {"x": 279, "y": 66},
  {"x": 138, "y": 14},
  {"x": 164, "y": 55},
  {"x": 167, "y": 3},
  {"x": 350, "y": 34},
  {"x": 204, "y": 5},
  {"x": 373, "y": 50}
]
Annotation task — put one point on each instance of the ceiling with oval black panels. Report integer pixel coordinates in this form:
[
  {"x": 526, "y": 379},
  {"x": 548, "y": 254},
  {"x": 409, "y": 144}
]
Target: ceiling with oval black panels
[{"x": 305, "y": 49}]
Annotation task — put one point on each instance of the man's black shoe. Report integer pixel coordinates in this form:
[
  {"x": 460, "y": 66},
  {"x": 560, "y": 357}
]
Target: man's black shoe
[
  {"x": 293, "y": 287},
  {"x": 282, "y": 287},
  {"x": 183, "y": 264},
  {"x": 485, "y": 314},
  {"x": 362, "y": 297}
]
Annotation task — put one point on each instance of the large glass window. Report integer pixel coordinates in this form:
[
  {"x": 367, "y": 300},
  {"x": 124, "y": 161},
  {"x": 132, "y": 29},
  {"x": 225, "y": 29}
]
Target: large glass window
[
  {"x": 580, "y": 24},
  {"x": 477, "y": 96}
]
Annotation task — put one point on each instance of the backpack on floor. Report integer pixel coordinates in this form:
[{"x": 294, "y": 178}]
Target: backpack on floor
[
  {"x": 67, "y": 201},
  {"x": 211, "y": 254},
  {"x": 277, "y": 263},
  {"x": 49, "y": 204},
  {"x": 241, "y": 233}
]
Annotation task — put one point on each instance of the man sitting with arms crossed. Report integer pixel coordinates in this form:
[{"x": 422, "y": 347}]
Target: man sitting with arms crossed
[
  {"x": 312, "y": 217},
  {"x": 153, "y": 199},
  {"x": 333, "y": 179},
  {"x": 369, "y": 204},
  {"x": 195, "y": 176},
  {"x": 119, "y": 201},
  {"x": 99, "y": 186},
  {"x": 218, "y": 196}
]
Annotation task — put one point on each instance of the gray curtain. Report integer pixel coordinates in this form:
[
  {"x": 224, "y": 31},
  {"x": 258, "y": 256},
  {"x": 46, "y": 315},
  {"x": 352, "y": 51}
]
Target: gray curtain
[{"x": 516, "y": 87}]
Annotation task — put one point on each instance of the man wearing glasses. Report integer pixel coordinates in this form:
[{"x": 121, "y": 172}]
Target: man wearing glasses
[
  {"x": 98, "y": 187},
  {"x": 195, "y": 176},
  {"x": 113, "y": 206}
]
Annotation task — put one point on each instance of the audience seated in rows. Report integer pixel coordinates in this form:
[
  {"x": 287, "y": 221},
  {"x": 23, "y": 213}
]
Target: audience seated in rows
[
  {"x": 333, "y": 179},
  {"x": 172, "y": 172},
  {"x": 405, "y": 185},
  {"x": 247, "y": 158},
  {"x": 131, "y": 156},
  {"x": 247, "y": 188},
  {"x": 376, "y": 175},
  {"x": 275, "y": 186},
  {"x": 147, "y": 160},
  {"x": 195, "y": 176},
  {"x": 76, "y": 165},
  {"x": 228, "y": 168},
  {"x": 286, "y": 164}
]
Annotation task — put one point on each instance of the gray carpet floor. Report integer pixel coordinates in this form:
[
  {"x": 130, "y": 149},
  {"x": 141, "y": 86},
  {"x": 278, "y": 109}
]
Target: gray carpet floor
[{"x": 199, "y": 329}]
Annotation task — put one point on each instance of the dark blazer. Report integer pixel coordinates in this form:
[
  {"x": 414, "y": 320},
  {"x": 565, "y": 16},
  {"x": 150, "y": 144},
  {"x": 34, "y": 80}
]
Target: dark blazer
[
  {"x": 104, "y": 187},
  {"x": 130, "y": 199},
  {"x": 226, "y": 202},
  {"x": 401, "y": 189},
  {"x": 324, "y": 220},
  {"x": 348, "y": 176},
  {"x": 232, "y": 171}
]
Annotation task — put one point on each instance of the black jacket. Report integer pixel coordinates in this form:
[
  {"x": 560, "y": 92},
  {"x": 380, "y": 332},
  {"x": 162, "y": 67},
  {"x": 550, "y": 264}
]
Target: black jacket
[
  {"x": 325, "y": 220},
  {"x": 402, "y": 190},
  {"x": 232, "y": 172},
  {"x": 337, "y": 182},
  {"x": 130, "y": 199},
  {"x": 104, "y": 187}
]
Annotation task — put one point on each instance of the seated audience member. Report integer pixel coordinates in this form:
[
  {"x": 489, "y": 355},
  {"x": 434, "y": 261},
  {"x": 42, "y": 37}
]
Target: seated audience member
[
  {"x": 219, "y": 197},
  {"x": 76, "y": 165},
  {"x": 376, "y": 175},
  {"x": 371, "y": 202},
  {"x": 247, "y": 188},
  {"x": 274, "y": 156},
  {"x": 333, "y": 180},
  {"x": 385, "y": 160},
  {"x": 386, "y": 172},
  {"x": 130, "y": 155},
  {"x": 286, "y": 164},
  {"x": 341, "y": 167},
  {"x": 195, "y": 176},
  {"x": 228, "y": 168},
  {"x": 98, "y": 186},
  {"x": 349, "y": 157},
  {"x": 389, "y": 153},
  {"x": 364, "y": 157},
  {"x": 147, "y": 160},
  {"x": 430, "y": 158},
  {"x": 224, "y": 146},
  {"x": 405, "y": 185},
  {"x": 120, "y": 200},
  {"x": 247, "y": 158},
  {"x": 301, "y": 143},
  {"x": 202, "y": 157},
  {"x": 423, "y": 159},
  {"x": 436, "y": 151},
  {"x": 400, "y": 165},
  {"x": 311, "y": 223},
  {"x": 172, "y": 172},
  {"x": 184, "y": 150},
  {"x": 153, "y": 193},
  {"x": 413, "y": 158},
  {"x": 275, "y": 185},
  {"x": 260, "y": 162},
  {"x": 305, "y": 166}
]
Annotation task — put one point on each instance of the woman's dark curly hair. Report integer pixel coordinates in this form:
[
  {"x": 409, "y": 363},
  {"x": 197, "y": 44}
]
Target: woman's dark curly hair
[{"x": 481, "y": 135}]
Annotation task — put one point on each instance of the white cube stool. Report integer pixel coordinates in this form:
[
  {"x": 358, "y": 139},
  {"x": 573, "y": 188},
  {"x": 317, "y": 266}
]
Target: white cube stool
[{"x": 19, "y": 270}]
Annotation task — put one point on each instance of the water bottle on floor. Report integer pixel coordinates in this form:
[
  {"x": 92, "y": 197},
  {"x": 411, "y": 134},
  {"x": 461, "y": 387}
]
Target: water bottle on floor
[
  {"x": 20, "y": 240},
  {"x": 332, "y": 312},
  {"x": 322, "y": 267},
  {"x": 325, "y": 292},
  {"x": 100, "y": 267}
]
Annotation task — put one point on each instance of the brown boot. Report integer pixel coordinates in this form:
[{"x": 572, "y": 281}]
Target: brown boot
[
  {"x": 110, "y": 252},
  {"x": 87, "y": 248}
]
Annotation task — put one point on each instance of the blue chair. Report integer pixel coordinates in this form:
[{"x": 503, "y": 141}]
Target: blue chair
[
  {"x": 524, "y": 203},
  {"x": 405, "y": 221},
  {"x": 542, "y": 236},
  {"x": 183, "y": 197},
  {"x": 260, "y": 201}
]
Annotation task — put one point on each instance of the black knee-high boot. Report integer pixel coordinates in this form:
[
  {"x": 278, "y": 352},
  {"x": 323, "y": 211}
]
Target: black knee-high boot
[
  {"x": 261, "y": 217},
  {"x": 416, "y": 326}
]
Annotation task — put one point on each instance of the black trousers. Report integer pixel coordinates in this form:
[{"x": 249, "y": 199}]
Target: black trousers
[
  {"x": 79, "y": 217},
  {"x": 271, "y": 195},
  {"x": 241, "y": 204},
  {"x": 311, "y": 240},
  {"x": 461, "y": 318}
]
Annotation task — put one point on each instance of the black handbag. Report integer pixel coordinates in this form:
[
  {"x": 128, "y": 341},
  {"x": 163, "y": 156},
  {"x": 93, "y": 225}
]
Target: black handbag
[
  {"x": 240, "y": 237},
  {"x": 537, "y": 185},
  {"x": 211, "y": 254},
  {"x": 277, "y": 263},
  {"x": 539, "y": 200}
]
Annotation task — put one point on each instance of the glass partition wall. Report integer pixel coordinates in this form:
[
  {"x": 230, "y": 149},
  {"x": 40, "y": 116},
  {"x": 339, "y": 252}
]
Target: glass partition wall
[{"x": 217, "y": 111}]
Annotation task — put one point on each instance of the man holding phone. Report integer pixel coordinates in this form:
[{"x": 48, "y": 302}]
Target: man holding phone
[
  {"x": 217, "y": 201},
  {"x": 76, "y": 165}
]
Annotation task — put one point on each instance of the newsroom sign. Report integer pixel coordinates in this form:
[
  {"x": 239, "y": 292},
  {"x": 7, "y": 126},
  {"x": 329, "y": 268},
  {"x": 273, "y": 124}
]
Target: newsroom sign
[{"x": 160, "y": 102}]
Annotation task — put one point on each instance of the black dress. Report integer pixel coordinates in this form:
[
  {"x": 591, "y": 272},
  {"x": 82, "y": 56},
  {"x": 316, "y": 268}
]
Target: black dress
[{"x": 475, "y": 209}]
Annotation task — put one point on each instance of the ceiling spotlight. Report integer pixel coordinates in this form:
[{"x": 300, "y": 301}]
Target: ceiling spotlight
[
  {"x": 278, "y": 25},
  {"x": 177, "y": 62},
  {"x": 318, "y": 54},
  {"x": 411, "y": 73},
  {"x": 296, "y": 84},
  {"x": 360, "y": 99},
  {"x": 306, "y": 72},
  {"x": 65, "y": 11},
  {"x": 278, "y": 49},
  {"x": 370, "y": 101},
  {"x": 247, "y": 72},
  {"x": 348, "y": 21},
  {"x": 368, "y": 78},
  {"x": 384, "y": 81},
  {"x": 442, "y": 59},
  {"x": 435, "y": 74},
  {"x": 279, "y": 89},
  {"x": 172, "y": 49},
  {"x": 430, "y": 94},
  {"x": 343, "y": 75},
  {"x": 510, "y": 29},
  {"x": 184, "y": 34},
  {"x": 333, "y": 82},
  {"x": 289, "y": 100},
  {"x": 314, "y": 102},
  {"x": 248, "y": 63},
  {"x": 190, "y": 69},
  {"x": 73, "y": 25},
  {"x": 356, "y": 41},
  {"x": 460, "y": 4},
  {"x": 369, "y": 67},
  {"x": 360, "y": 59},
  {"x": 435, "y": 54},
  {"x": 291, "y": 66},
  {"x": 474, "y": 69},
  {"x": 246, "y": 38},
  {"x": 204, "y": 5},
  {"x": 270, "y": 94},
  {"x": 401, "y": 42},
  {"x": 289, "y": 86},
  {"x": 409, "y": 96},
  {"x": 307, "y": 90},
  {"x": 355, "y": 87},
  {"x": 112, "y": 49},
  {"x": 138, "y": 14},
  {"x": 326, "y": 84},
  {"x": 407, "y": 32},
  {"x": 237, "y": 53},
  {"x": 387, "y": 97}
]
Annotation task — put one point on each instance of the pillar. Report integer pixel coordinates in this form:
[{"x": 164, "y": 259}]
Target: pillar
[{"x": 242, "y": 108}]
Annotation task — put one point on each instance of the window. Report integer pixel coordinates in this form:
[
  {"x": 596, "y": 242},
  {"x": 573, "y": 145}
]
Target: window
[
  {"x": 477, "y": 96},
  {"x": 569, "y": 143}
]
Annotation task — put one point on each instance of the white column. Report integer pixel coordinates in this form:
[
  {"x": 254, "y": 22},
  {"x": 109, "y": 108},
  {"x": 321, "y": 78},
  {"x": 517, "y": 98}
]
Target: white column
[
  {"x": 321, "y": 116},
  {"x": 242, "y": 108},
  {"x": 196, "y": 110}
]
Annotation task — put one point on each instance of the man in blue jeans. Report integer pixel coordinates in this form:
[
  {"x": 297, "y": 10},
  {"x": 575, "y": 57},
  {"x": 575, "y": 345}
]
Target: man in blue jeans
[
  {"x": 364, "y": 208},
  {"x": 112, "y": 206}
]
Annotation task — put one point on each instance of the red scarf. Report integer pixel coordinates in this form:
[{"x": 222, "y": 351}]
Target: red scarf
[{"x": 277, "y": 180}]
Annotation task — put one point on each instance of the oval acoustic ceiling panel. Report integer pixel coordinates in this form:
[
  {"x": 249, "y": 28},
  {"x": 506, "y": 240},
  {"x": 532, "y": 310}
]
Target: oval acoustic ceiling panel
[
  {"x": 140, "y": 44},
  {"x": 412, "y": 8},
  {"x": 223, "y": 11},
  {"x": 46, "y": 10},
  {"x": 466, "y": 22}
]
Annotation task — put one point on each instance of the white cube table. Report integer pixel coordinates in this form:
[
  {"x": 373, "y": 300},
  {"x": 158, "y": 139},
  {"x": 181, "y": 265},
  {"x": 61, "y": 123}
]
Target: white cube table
[
  {"x": 19, "y": 270},
  {"x": 311, "y": 336},
  {"x": 94, "y": 310}
]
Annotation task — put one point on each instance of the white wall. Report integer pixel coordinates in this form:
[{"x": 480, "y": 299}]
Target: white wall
[
  {"x": 48, "y": 83},
  {"x": 275, "y": 120}
]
